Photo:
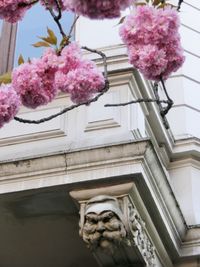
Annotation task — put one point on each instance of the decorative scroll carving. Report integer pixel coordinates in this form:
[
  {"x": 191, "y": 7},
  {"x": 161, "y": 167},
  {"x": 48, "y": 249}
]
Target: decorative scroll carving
[
  {"x": 103, "y": 226},
  {"x": 140, "y": 238}
]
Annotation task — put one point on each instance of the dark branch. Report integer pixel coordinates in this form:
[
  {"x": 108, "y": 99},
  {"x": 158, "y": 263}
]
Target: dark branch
[
  {"x": 22, "y": 4},
  {"x": 163, "y": 111},
  {"x": 179, "y": 5},
  {"x": 56, "y": 18},
  {"x": 139, "y": 100},
  {"x": 170, "y": 103},
  {"x": 103, "y": 57},
  {"x": 58, "y": 5},
  {"x": 66, "y": 39},
  {"x": 72, "y": 27}
]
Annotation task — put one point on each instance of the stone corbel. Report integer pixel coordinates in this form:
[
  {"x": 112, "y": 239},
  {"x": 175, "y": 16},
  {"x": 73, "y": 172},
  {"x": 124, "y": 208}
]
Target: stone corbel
[{"x": 112, "y": 228}]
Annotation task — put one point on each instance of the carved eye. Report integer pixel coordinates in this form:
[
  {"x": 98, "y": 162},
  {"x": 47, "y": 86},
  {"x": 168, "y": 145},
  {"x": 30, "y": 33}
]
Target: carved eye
[
  {"x": 91, "y": 220},
  {"x": 106, "y": 219},
  {"x": 107, "y": 216}
]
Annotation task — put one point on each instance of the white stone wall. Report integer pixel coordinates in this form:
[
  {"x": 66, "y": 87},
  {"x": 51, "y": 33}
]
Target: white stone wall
[
  {"x": 184, "y": 118},
  {"x": 185, "y": 180},
  {"x": 184, "y": 86},
  {"x": 83, "y": 127}
]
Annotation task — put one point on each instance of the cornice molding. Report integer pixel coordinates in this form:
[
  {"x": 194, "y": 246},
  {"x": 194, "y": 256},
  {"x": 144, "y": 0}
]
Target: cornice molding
[{"x": 133, "y": 161}]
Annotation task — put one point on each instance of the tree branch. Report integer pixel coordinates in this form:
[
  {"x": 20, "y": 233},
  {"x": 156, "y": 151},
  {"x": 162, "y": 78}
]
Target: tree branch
[
  {"x": 58, "y": 5},
  {"x": 139, "y": 100},
  {"x": 73, "y": 25},
  {"x": 65, "y": 40},
  {"x": 180, "y": 2},
  {"x": 22, "y": 4},
  {"x": 170, "y": 103},
  {"x": 56, "y": 18}
]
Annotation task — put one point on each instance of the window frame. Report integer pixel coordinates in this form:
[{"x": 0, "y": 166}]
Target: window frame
[{"x": 7, "y": 46}]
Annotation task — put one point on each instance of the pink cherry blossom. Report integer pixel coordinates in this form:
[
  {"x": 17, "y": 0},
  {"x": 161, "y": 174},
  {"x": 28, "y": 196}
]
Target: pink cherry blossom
[
  {"x": 97, "y": 9},
  {"x": 149, "y": 60},
  {"x": 70, "y": 57},
  {"x": 38, "y": 82},
  {"x": 77, "y": 76},
  {"x": 13, "y": 10},
  {"x": 52, "y": 3},
  {"x": 82, "y": 82},
  {"x": 34, "y": 81},
  {"x": 153, "y": 41},
  {"x": 9, "y": 103}
]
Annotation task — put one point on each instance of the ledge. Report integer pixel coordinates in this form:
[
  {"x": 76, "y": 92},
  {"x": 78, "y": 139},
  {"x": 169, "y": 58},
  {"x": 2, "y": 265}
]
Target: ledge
[{"x": 112, "y": 164}]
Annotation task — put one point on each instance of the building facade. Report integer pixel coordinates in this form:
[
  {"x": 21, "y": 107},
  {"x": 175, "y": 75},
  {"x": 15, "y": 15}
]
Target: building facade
[{"x": 105, "y": 186}]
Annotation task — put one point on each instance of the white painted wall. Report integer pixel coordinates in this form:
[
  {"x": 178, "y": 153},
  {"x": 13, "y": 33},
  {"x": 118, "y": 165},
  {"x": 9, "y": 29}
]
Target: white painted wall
[
  {"x": 185, "y": 180},
  {"x": 184, "y": 86},
  {"x": 83, "y": 127},
  {"x": 98, "y": 33},
  {"x": 184, "y": 118}
]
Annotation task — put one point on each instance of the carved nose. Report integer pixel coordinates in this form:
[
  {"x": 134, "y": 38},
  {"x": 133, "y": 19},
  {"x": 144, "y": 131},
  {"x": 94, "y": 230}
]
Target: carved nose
[{"x": 100, "y": 227}]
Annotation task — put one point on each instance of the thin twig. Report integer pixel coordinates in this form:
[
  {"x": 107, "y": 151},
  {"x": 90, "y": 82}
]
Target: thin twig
[
  {"x": 72, "y": 27},
  {"x": 139, "y": 100},
  {"x": 22, "y": 4},
  {"x": 161, "y": 108},
  {"x": 170, "y": 101},
  {"x": 179, "y": 5},
  {"x": 86, "y": 103},
  {"x": 65, "y": 40},
  {"x": 58, "y": 5},
  {"x": 56, "y": 18},
  {"x": 103, "y": 57}
]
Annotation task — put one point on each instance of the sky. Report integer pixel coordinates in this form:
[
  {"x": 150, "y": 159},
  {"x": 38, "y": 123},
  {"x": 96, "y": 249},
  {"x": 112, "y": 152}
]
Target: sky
[{"x": 34, "y": 24}]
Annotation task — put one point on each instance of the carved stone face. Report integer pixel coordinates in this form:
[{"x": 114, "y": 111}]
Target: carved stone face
[{"x": 103, "y": 230}]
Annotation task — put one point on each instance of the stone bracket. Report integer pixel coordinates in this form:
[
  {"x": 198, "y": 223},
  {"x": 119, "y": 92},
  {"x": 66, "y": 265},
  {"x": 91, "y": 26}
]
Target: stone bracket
[{"x": 112, "y": 228}]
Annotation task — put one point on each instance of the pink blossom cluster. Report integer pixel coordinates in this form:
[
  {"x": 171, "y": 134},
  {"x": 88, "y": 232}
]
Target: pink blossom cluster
[
  {"x": 13, "y": 10},
  {"x": 97, "y": 9},
  {"x": 153, "y": 41},
  {"x": 9, "y": 103},
  {"x": 82, "y": 82},
  {"x": 52, "y": 3},
  {"x": 94, "y": 9},
  {"x": 34, "y": 81},
  {"x": 77, "y": 76},
  {"x": 70, "y": 57},
  {"x": 37, "y": 82}
]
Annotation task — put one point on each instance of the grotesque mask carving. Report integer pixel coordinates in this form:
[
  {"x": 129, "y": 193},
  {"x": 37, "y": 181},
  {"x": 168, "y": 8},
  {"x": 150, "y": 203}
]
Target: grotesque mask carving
[{"x": 103, "y": 226}]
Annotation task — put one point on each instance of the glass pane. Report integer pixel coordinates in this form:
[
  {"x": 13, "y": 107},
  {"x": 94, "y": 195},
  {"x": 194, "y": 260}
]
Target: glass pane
[{"x": 34, "y": 24}]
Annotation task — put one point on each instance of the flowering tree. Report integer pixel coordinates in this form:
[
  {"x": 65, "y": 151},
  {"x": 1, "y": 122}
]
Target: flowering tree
[{"x": 150, "y": 33}]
